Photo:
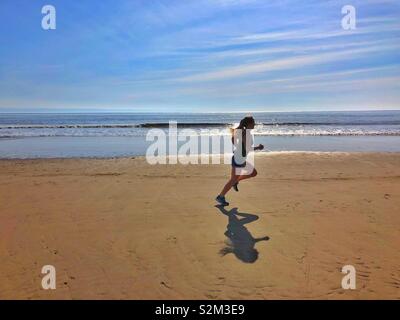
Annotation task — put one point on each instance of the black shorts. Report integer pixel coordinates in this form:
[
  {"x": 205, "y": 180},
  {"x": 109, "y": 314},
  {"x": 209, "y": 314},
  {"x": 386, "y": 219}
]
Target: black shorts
[{"x": 236, "y": 165}]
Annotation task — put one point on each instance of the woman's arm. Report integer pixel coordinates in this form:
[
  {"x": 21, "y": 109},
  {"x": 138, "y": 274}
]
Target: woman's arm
[{"x": 259, "y": 147}]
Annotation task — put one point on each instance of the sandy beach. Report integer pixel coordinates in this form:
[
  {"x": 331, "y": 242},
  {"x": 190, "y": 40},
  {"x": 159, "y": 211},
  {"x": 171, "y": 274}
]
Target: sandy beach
[{"x": 122, "y": 229}]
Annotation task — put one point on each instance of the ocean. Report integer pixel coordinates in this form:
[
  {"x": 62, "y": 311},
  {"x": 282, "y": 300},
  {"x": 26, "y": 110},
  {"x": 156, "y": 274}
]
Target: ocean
[{"x": 54, "y": 135}]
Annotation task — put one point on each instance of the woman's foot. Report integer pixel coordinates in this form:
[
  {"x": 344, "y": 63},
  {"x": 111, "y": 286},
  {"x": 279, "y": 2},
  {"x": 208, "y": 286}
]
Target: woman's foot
[
  {"x": 221, "y": 200},
  {"x": 235, "y": 187}
]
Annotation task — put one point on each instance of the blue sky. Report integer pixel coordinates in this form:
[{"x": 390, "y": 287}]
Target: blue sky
[{"x": 199, "y": 56}]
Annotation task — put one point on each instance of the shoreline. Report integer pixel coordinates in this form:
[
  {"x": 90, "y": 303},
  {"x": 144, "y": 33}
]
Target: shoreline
[
  {"x": 258, "y": 154},
  {"x": 110, "y": 147}
]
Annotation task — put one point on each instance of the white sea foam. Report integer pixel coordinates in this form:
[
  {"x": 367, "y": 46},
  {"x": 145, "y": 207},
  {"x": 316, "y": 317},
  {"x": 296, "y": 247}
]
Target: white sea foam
[
  {"x": 382, "y": 123},
  {"x": 120, "y": 131}
]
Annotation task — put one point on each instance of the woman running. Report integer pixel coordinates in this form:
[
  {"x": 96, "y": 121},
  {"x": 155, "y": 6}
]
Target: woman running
[{"x": 242, "y": 143}]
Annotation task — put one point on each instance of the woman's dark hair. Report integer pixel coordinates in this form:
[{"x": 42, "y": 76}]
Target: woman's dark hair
[{"x": 245, "y": 122}]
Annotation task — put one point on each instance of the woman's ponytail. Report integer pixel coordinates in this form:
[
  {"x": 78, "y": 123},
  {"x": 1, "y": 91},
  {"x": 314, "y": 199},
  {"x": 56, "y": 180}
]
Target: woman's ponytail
[{"x": 243, "y": 125}]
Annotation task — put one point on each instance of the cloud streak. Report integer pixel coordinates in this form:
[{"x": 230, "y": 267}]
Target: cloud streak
[{"x": 283, "y": 64}]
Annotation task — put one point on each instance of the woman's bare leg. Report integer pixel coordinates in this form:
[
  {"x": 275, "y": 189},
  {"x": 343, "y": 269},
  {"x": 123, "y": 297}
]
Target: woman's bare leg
[
  {"x": 235, "y": 179},
  {"x": 230, "y": 183},
  {"x": 247, "y": 176}
]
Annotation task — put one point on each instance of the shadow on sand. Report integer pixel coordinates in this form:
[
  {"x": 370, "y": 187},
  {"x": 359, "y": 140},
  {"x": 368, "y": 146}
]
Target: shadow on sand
[{"x": 241, "y": 243}]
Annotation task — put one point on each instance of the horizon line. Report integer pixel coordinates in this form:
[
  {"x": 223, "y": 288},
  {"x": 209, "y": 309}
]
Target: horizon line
[{"x": 188, "y": 112}]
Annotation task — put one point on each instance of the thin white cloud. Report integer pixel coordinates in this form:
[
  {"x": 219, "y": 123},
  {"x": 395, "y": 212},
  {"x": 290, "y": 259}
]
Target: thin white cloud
[
  {"x": 295, "y": 49},
  {"x": 374, "y": 73},
  {"x": 283, "y": 64},
  {"x": 304, "y": 34},
  {"x": 331, "y": 86}
]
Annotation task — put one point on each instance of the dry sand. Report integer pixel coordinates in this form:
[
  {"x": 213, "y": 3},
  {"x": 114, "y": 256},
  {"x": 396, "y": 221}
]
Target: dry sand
[{"x": 120, "y": 228}]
